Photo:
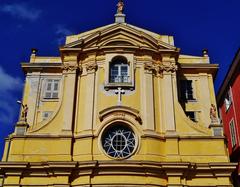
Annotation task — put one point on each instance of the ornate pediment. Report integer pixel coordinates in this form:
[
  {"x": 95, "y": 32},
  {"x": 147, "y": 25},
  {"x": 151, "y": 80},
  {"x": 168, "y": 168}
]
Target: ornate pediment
[{"x": 119, "y": 36}]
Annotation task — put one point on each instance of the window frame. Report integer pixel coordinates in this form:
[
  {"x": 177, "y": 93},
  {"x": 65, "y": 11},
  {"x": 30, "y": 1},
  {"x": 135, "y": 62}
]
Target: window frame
[
  {"x": 52, "y": 91},
  {"x": 233, "y": 135},
  {"x": 184, "y": 85},
  {"x": 49, "y": 113},
  {"x": 119, "y": 66},
  {"x": 228, "y": 102},
  {"x": 130, "y": 84}
]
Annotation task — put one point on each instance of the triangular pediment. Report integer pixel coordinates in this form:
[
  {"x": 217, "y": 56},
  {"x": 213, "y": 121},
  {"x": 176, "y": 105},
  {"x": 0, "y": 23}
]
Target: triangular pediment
[{"x": 119, "y": 35}]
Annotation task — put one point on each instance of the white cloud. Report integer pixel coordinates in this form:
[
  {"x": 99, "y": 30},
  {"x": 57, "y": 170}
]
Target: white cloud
[
  {"x": 22, "y": 11},
  {"x": 8, "y": 82},
  {"x": 10, "y": 89},
  {"x": 62, "y": 32}
]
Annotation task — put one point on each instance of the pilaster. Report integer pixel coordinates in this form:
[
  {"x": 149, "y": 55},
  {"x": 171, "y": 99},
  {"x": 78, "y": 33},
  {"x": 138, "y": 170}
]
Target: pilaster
[
  {"x": 169, "y": 69},
  {"x": 32, "y": 88},
  {"x": 70, "y": 68},
  {"x": 91, "y": 69},
  {"x": 147, "y": 100},
  {"x": 204, "y": 98}
]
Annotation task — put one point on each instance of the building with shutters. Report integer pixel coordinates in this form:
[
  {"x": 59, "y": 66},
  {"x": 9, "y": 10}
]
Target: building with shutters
[
  {"x": 228, "y": 100},
  {"x": 121, "y": 107}
]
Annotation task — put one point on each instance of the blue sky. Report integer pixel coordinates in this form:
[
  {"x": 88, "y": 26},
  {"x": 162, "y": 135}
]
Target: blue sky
[{"x": 42, "y": 24}]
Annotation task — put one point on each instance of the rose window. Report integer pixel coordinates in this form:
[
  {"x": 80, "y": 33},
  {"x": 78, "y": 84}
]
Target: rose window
[{"x": 119, "y": 141}]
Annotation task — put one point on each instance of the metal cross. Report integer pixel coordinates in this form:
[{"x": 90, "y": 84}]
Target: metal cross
[{"x": 119, "y": 91}]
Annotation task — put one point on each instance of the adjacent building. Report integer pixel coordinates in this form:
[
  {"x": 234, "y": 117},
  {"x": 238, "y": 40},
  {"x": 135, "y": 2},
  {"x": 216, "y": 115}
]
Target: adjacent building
[
  {"x": 120, "y": 107},
  {"x": 228, "y": 99}
]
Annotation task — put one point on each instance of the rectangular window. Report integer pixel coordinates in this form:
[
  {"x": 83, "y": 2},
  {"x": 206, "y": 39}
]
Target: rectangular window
[
  {"x": 192, "y": 116},
  {"x": 46, "y": 115},
  {"x": 186, "y": 90},
  {"x": 228, "y": 100},
  {"x": 51, "y": 89},
  {"x": 232, "y": 133}
]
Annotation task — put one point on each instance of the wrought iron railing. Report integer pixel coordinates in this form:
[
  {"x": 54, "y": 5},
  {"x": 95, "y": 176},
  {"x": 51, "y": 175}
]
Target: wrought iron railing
[{"x": 120, "y": 79}]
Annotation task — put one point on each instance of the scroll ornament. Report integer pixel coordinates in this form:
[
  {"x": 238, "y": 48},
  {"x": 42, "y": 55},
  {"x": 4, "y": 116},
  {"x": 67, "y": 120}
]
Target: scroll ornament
[
  {"x": 158, "y": 69},
  {"x": 71, "y": 68},
  {"x": 91, "y": 66}
]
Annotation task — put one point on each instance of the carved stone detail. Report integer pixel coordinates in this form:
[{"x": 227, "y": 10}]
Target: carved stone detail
[
  {"x": 158, "y": 69},
  {"x": 91, "y": 67},
  {"x": 71, "y": 68},
  {"x": 170, "y": 68}
]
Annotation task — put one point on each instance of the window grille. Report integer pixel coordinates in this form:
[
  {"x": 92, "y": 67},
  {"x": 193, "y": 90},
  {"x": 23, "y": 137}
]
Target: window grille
[
  {"x": 119, "y": 141},
  {"x": 52, "y": 89},
  {"x": 119, "y": 71}
]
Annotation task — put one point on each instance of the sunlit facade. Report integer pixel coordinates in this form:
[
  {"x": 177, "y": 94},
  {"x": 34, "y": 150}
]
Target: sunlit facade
[{"x": 120, "y": 106}]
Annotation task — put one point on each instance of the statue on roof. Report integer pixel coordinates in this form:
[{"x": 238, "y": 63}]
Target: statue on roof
[{"x": 120, "y": 7}]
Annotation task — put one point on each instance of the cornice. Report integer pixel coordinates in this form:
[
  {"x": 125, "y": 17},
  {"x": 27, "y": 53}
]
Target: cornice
[
  {"x": 119, "y": 167},
  {"x": 145, "y": 135},
  {"x": 208, "y": 68},
  {"x": 198, "y": 65},
  {"x": 40, "y": 66}
]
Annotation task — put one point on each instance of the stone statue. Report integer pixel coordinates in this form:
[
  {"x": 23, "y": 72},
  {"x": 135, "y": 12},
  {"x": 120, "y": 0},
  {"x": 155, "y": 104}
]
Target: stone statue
[
  {"x": 120, "y": 7},
  {"x": 24, "y": 112},
  {"x": 213, "y": 113}
]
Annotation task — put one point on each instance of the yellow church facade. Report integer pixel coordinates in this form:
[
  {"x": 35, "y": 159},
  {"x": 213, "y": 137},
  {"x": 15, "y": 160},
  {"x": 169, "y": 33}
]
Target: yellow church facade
[{"x": 121, "y": 107}]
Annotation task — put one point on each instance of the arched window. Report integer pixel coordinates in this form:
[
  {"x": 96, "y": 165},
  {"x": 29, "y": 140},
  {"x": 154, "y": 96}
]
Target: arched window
[{"x": 119, "y": 70}]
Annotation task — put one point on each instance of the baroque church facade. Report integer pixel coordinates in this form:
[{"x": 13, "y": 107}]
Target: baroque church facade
[{"x": 121, "y": 107}]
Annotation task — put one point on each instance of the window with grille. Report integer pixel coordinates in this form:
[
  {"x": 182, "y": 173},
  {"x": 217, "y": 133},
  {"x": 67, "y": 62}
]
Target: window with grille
[
  {"x": 52, "y": 89},
  {"x": 119, "y": 141},
  {"x": 119, "y": 70},
  {"x": 232, "y": 133},
  {"x": 186, "y": 90}
]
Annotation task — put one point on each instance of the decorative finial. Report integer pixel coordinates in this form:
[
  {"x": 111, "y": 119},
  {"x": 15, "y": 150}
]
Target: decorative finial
[
  {"x": 205, "y": 52},
  {"x": 120, "y": 7},
  {"x": 34, "y": 51}
]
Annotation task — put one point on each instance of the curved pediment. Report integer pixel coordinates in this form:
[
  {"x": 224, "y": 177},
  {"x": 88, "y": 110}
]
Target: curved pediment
[
  {"x": 120, "y": 110},
  {"x": 120, "y": 35}
]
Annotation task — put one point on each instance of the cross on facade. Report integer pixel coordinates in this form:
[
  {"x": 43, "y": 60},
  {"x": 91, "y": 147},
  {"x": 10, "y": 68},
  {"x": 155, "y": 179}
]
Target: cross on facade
[{"x": 119, "y": 92}]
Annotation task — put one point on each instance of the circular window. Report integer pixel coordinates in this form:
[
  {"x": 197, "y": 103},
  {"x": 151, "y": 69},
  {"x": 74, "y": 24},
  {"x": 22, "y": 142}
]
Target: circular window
[{"x": 119, "y": 141}]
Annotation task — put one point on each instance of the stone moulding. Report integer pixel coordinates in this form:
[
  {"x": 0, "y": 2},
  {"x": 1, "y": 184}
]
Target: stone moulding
[
  {"x": 137, "y": 168},
  {"x": 158, "y": 69},
  {"x": 91, "y": 67},
  {"x": 120, "y": 110},
  {"x": 71, "y": 68}
]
